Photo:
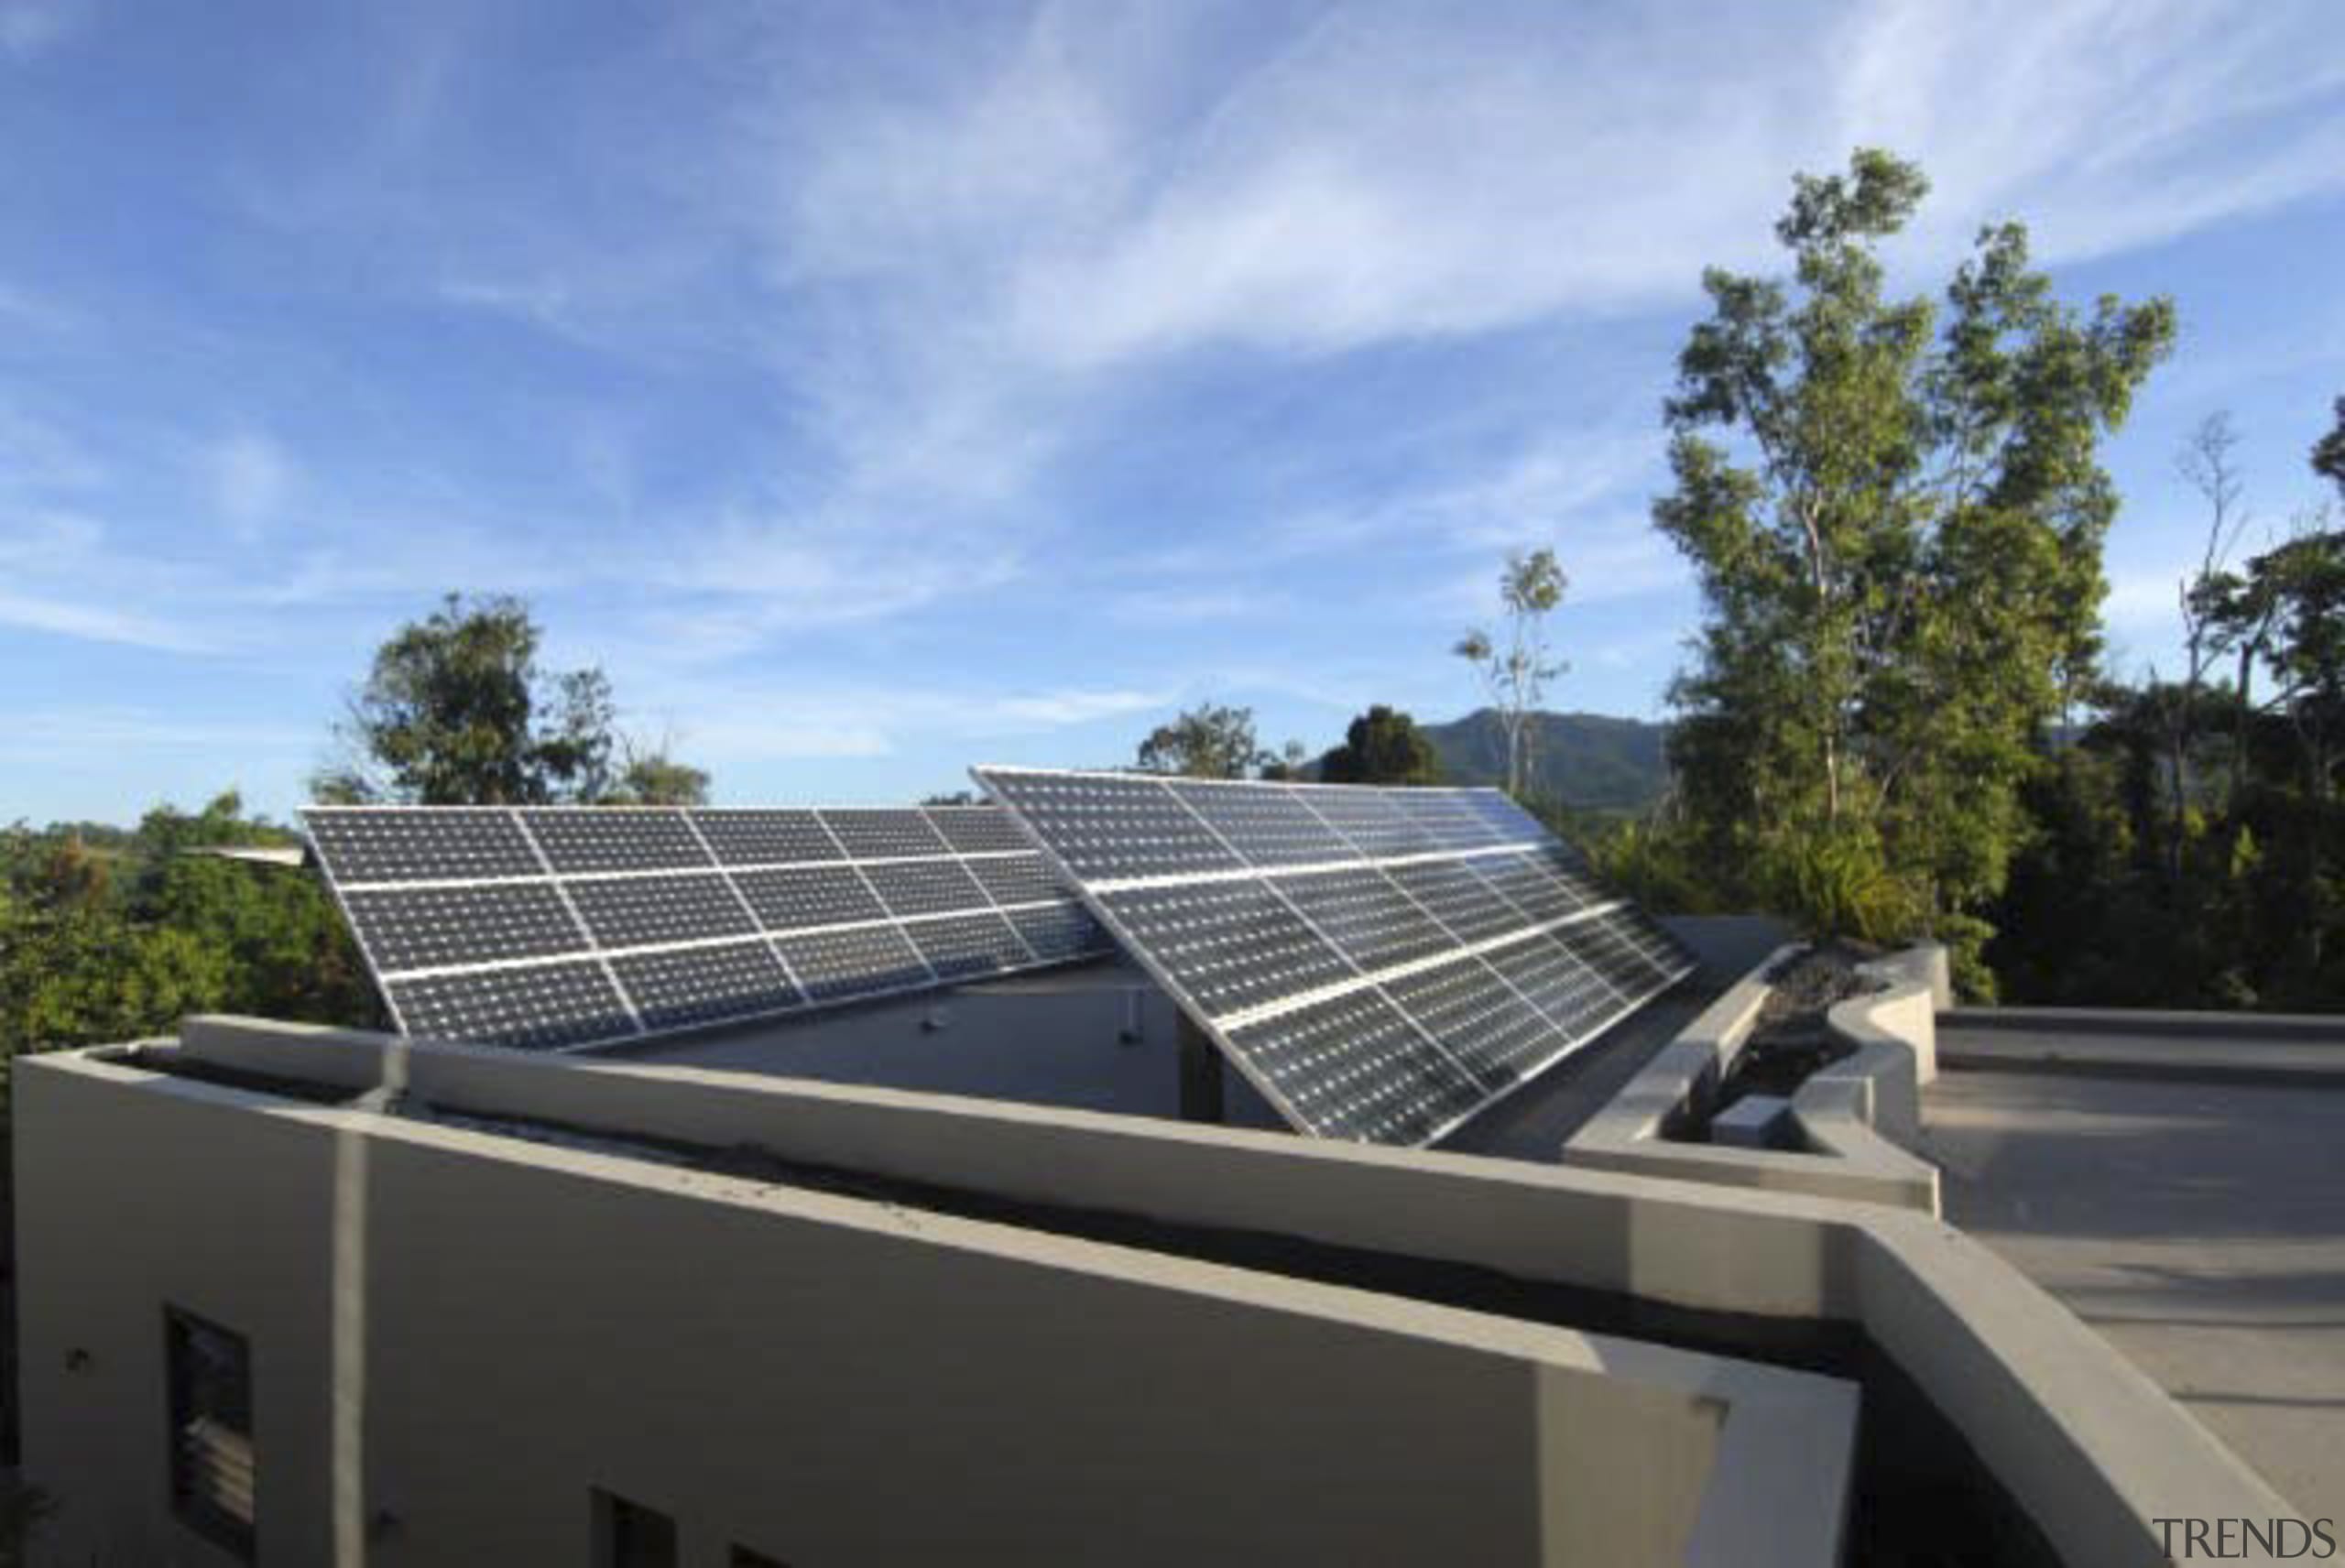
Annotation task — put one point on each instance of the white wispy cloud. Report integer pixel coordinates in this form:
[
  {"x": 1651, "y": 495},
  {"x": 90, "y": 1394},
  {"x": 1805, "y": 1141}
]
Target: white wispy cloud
[
  {"x": 22, "y": 309},
  {"x": 37, "y": 458},
  {"x": 1176, "y": 604},
  {"x": 251, "y": 476},
  {"x": 960, "y": 257},
  {"x": 1401, "y": 171},
  {"x": 1057, "y": 709},
  {"x": 808, "y": 721},
  {"x": 29, "y": 29},
  {"x": 79, "y": 733},
  {"x": 74, "y": 614},
  {"x": 981, "y": 261},
  {"x": 58, "y": 576},
  {"x": 962, "y": 254}
]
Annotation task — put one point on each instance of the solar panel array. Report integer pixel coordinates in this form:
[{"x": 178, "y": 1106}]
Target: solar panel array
[
  {"x": 556, "y": 927},
  {"x": 1380, "y": 962}
]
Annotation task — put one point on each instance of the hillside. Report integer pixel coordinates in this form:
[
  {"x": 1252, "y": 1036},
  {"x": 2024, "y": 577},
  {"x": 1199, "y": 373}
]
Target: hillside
[{"x": 1589, "y": 761}]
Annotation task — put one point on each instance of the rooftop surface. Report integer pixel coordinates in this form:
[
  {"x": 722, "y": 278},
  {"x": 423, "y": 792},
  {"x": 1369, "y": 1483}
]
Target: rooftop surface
[{"x": 2199, "y": 1224}]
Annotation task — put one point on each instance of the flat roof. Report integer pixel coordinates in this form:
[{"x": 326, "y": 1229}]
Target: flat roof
[{"x": 2198, "y": 1225}]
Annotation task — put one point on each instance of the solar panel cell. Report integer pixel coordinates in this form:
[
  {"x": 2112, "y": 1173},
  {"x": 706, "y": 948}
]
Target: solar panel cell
[
  {"x": 605, "y": 838},
  {"x": 704, "y": 986},
  {"x": 426, "y": 928},
  {"x": 1368, "y": 821},
  {"x": 1267, "y": 827},
  {"x": 1352, "y": 1067},
  {"x": 1521, "y": 881},
  {"x": 861, "y": 961},
  {"x": 925, "y": 887},
  {"x": 537, "y": 1009},
  {"x": 636, "y": 911},
  {"x": 1368, "y": 919},
  {"x": 762, "y": 836},
  {"x": 977, "y": 830},
  {"x": 1551, "y": 978},
  {"x": 810, "y": 896},
  {"x": 1020, "y": 880},
  {"x": 1450, "y": 818},
  {"x": 959, "y": 947},
  {"x": 881, "y": 834},
  {"x": 1059, "y": 932},
  {"x": 1228, "y": 944},
  {"x": 1566, "y": 866},
  {"x": 1109, "y": 828},
  {"x": 1458, "y": 899},
  {"x": 1479, "y": 1018},
  {"x": 1507, "y": 821},
  {"x": 369, "y": 844},
  {"x": 1609, "y": 952}
]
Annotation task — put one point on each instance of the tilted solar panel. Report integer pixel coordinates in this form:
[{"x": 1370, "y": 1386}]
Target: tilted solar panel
[
  {"x": 558, "y": 927},
  {"x": 1383, "y": 964}
]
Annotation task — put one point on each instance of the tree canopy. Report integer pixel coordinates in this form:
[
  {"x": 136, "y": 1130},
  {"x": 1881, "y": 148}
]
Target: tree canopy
[
  {"x": 1382, "y": 746},
  {"x": 110, "y": 941},
  {"x": 654, "y": 779},
  {"x": 1208, "y": 741},
  {"x": 2329, "y": 452},
  {"x": 1895, "y": 514},
  {"x": 456, "y": 710}
]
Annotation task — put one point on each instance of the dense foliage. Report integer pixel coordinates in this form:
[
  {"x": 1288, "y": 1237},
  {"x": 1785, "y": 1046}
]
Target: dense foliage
[
  {"x": 114, "y": 936},
  {"x": 1895, "y": 514},
  {"x": 456, "y": 711},
  {"x": 1382, "y": 746},
  {"x": 2189, "y": 849},
  {"x": 1897, "y": 721},
  {"x": 654, "y": 779},
  {"x": 1208, "y": 741}
]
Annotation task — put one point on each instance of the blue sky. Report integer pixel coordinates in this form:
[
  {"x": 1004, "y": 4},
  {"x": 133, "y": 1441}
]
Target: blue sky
[{"x": 872, "y": 390}]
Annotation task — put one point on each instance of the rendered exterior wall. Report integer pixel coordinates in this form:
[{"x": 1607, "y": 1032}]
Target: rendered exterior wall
[
  {"x": 823, "y": 1379},
  {"x": 2088, "y": 1446}
]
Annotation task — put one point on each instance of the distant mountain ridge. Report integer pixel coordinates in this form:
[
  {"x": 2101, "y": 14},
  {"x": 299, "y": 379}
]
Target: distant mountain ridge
[{"x": 1594, "y": 761}]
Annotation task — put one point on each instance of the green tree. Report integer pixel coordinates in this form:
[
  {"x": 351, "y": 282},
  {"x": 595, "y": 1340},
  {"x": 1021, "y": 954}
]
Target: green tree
[
  {"x": 1515, "y": 664},
  {"x": 169, "y": 931},
  {"x": 1382, "y": 746},
  {"x": 456, "y": 711},
  {"x": 2329, "y": 452},
  {"x": 1899, "y": 555},
  {"x": 655, "y": 779},
  {"x": 1208, "y": 741},
  {"x": 86, "y": 976},
  {"x": 2286, "y": 611},
  {"x": 1291, "y": 764}
]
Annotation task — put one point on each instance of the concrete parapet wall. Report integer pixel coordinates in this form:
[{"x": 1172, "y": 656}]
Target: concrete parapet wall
[
  {"x": 1916, "y": 987},
  {"x": 2090, "y": 1447},
  {"x": 2295, "y": 1049},
  {"x": 2326, "y": 1029},
  {"x": 819, "y": 1376},
  {"x": 1847, "y": 1114},
  {"x": 1866, "y": 1109}
]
